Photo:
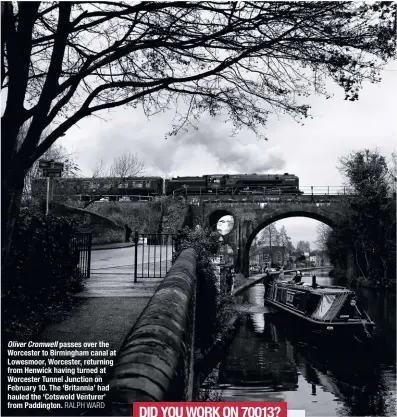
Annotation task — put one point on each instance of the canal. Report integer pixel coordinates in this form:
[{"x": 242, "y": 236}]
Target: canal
[{"x": 270, "y": 361}]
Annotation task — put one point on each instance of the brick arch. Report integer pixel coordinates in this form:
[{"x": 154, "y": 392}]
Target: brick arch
[
  {"x": 216, "y": 215},
  {"x": 279, "y": 216}
]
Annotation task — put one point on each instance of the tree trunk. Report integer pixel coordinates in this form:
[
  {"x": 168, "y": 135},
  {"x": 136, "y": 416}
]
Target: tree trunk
[
  {"x": 367, "y": 263},
  {"x": 350, "y": 270},
  {"x": 384, "y": 277},
  {"x": 358, "y": 264},
  {"x": 11, "y": 198}
]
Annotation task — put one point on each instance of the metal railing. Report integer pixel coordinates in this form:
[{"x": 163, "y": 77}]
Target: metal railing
[
  {"x": 325, "y": 190},
  {"x": 81, "y": 245},
  {"x": 153, "y": 254}
]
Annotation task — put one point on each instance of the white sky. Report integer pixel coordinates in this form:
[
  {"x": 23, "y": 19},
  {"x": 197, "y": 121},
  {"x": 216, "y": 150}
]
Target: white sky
[{"x": 311, "y": 151}]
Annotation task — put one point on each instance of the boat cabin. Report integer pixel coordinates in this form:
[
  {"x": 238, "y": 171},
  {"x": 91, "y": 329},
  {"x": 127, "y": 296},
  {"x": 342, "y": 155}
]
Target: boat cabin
[{"x": 317, "y": 303}]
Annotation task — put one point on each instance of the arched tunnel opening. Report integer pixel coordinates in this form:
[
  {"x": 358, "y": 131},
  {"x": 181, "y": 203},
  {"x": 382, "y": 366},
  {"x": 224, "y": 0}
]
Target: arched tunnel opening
[
  {"x": 221, "y": 221},
  {"x": 268, "y": 250}
]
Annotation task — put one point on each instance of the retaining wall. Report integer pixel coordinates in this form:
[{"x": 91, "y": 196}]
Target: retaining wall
[
  {"x": 104, "y": 230},
  {"x": 155, "y": 362}
]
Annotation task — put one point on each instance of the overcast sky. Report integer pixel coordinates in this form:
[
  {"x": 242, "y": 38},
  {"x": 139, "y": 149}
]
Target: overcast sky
[{"x": 311, "y": 151}]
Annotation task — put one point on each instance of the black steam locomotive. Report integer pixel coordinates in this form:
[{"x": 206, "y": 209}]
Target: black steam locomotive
[
  {"x": 115, "y": 188},
  {"x": 235, "y": 184}
]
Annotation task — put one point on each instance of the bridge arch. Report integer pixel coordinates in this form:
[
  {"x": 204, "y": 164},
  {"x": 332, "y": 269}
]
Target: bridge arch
[
  {"x": 216, "y": 215},
  {"x": 267, "y": 220}
]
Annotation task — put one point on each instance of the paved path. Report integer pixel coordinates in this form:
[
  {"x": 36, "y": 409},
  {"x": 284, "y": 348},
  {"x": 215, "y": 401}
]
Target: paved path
[
  {"x": 118, "y": 285},
  {"x": 107, "y": 246},
  {"x": 122, "y": 260}
]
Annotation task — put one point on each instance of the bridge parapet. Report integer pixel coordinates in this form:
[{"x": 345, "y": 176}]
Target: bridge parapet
[
  {"x": 155, "y": 362},
  {"x": 282, "y": 199}
]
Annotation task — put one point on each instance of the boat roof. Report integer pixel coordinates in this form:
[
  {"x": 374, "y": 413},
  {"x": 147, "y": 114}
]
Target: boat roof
[{"x": 321, "y": 289}]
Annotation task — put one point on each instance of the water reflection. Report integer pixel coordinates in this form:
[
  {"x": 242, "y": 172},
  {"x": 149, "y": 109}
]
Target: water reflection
[
  {"x": 269, "y": 361},
  {"x": 258, "y": 321}
]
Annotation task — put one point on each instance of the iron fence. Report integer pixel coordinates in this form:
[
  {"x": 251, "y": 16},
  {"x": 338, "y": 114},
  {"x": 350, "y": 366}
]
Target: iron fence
[
  {"x": 81, "y": 246},
  {"x": 153, "y": 254}
]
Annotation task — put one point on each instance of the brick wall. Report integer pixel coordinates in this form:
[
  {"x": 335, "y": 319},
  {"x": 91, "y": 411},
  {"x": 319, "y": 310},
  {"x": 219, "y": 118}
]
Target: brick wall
[{"x": 155, "y": 361}]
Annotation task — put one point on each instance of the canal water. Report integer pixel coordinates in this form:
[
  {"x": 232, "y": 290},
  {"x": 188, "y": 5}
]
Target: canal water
[{"x": 270, "y": 361}]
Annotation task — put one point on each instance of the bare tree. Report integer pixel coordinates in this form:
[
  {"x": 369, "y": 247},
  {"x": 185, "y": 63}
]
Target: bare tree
[
  {"x": 323, "y": 232},
  {"x": 64, "y": 61},
  {"x": 285, "y": 240},
  {"x": 98, "y": 170},
  {"x": 126, "y": 165},
  {"x": 57, "y": 153},
  {"x": 123, "y": 167},
  {"x": 269, "y": 236}
]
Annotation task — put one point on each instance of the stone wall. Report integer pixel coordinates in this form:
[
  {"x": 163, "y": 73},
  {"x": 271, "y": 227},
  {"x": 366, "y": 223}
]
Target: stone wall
[
  {"x": 155, "y": 362},
  {"x": 104, "y": 230}
]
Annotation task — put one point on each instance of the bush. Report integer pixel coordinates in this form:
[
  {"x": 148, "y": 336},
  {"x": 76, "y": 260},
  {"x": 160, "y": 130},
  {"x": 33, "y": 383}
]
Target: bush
[
  {"x": 211, "y": 306},
  {"x": 41, "y": 270}
]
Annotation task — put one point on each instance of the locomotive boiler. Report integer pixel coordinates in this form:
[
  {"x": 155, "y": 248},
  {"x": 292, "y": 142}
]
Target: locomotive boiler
[{"x": 261, "y": 184}]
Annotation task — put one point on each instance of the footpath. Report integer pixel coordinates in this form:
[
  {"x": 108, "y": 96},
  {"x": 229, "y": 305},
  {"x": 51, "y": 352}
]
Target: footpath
[
  {"x": 106, "y": 246},
  {"x": 110, "y": 306},
  {"x": 108, "y": 310}
]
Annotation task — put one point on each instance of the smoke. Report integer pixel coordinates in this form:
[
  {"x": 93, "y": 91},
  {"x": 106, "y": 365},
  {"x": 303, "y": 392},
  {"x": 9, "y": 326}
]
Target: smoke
[
  {"x": 210, "y": 149},
  {"x": 233, "y": 154}
]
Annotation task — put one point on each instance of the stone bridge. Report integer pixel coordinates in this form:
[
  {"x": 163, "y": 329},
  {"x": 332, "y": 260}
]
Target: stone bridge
[{"x": 250, "y": 217}]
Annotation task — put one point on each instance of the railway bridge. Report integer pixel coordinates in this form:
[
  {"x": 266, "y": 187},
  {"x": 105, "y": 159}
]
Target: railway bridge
[{"x": 251, "y": 215}]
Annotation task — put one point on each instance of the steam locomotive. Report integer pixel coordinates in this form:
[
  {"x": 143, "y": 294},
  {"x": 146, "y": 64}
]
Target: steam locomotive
[{"x": 114, "y": 188}]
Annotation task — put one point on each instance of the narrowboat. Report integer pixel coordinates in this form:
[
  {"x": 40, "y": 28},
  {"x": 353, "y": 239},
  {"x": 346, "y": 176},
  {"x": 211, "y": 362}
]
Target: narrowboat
[{"x": 324, "y": 310}]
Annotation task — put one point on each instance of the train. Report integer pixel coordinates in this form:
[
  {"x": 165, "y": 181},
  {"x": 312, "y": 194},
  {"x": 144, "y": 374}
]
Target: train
[{"x": 116, "y": 188}]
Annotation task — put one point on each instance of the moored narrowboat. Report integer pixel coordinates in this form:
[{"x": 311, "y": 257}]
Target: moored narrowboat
[{"x": 325, "y": 310}]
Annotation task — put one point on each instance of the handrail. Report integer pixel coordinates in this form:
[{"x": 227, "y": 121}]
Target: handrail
[{"x": 305, "y": 269}]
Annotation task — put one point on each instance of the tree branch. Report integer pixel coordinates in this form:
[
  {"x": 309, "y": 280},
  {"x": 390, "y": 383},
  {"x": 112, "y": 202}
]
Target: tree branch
[{"x": 38, "y": 123}]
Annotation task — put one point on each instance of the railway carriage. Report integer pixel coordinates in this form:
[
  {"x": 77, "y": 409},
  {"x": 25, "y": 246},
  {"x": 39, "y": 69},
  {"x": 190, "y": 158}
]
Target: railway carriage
[{"x": 113, "y": 188}]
